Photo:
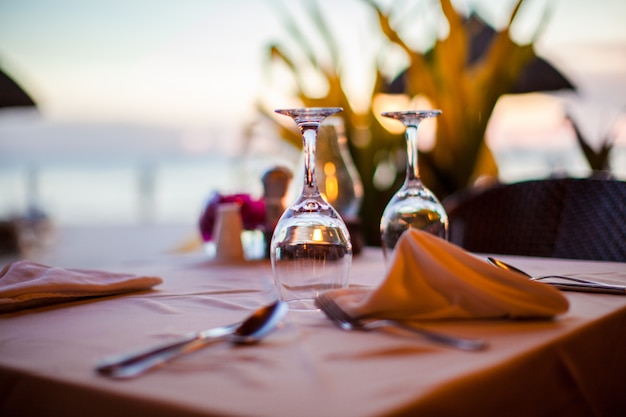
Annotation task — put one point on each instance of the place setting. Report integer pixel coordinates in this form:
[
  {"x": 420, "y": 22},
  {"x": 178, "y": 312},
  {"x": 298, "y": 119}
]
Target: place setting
[
  {"x": 362, "y": 210},
  {"x": 311, "y": 221},
  {"x": 427, "y": 279},
  {"x": 422, "y": 290}
]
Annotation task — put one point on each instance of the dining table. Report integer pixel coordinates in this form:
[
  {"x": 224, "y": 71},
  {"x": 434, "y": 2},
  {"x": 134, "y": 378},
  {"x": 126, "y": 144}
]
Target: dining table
[{"x": 570, "y": 365}]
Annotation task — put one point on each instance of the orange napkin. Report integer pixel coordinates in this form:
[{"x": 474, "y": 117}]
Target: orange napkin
[
  {"x": 25, "y": 284},
  {"x": 430, "y": 278}
]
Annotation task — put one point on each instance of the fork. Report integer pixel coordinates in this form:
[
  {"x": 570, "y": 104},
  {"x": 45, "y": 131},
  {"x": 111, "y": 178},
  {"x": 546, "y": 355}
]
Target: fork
[
  {"x": 576, "y": 284},
  {"x": 346, "y": 322}
]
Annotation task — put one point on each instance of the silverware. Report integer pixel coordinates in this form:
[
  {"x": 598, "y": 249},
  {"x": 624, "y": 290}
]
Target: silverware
[
  {"x": 251, "y": 330},
  {"x": 576, "y": 284},
  {"x": 346, "y": 322}
]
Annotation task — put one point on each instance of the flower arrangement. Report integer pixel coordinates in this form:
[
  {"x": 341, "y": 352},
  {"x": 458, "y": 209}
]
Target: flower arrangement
[{"x": 252, "y": 213}]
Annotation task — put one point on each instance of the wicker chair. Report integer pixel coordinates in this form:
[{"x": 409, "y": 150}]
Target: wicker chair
[{"x": 559, "y": 218}]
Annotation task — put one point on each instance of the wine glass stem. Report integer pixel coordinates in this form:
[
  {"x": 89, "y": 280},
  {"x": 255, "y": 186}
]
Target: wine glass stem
[
  {"x": 309, "y": 136},
  {"x": 412, "y": 170}
]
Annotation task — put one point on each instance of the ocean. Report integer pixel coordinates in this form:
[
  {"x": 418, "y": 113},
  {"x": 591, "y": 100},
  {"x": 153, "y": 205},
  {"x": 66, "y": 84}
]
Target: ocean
[
  {"x": 90, "y": 176},
  {"x": 174, "y": 191}
]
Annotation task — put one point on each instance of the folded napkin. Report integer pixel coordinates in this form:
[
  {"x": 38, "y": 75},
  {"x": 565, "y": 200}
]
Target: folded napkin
[
  {"x": 430, "y": 278},
  {"x": 25, "y": 284}
]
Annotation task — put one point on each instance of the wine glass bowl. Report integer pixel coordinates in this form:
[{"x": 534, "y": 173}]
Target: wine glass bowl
[
  {"x": 417, "y": 208},
  {"x": 413, "y": 205},
  {"x": 310, "y": 249}
]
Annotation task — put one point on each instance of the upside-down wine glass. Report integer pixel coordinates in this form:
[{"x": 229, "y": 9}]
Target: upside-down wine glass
[
  {"x": 310, "y": 250},
  {"x": 413, "y": 205}
]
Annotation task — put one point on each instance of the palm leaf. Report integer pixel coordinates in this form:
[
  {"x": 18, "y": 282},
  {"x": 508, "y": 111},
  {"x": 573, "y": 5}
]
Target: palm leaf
[
  {"x": 324, "y": 31},
  {"x": 288, "y": 21}
]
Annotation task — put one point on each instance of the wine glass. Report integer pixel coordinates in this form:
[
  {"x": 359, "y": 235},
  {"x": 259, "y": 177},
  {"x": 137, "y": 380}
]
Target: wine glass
[
  {"x": 311, "y": 249},
  {"x": 337, "y": 177},
  {"x": 413, "y": 205}
]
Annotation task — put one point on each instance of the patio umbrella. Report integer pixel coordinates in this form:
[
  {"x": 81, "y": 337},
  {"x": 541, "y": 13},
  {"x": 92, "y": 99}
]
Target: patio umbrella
[
  {"x": 539, "y": 74},
  {"x": 12, "y": 94}
]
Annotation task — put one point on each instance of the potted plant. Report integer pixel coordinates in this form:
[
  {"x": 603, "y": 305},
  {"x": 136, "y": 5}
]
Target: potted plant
[{"x": 463, "y": 74}]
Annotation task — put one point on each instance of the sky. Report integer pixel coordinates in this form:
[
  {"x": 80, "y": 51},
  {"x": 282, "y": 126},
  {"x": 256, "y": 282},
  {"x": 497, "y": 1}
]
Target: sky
[
  {"x": 190, "y": 71},
  {"x": 195, "y": 63}
]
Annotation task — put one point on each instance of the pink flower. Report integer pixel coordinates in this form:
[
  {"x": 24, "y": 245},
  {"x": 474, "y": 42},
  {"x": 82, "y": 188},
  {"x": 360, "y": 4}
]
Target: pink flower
[{"x": 252, "y": 212}]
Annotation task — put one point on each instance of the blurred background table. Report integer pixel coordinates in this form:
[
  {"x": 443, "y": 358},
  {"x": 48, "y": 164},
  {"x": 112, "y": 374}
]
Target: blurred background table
[{"x": 105, "y": 245}]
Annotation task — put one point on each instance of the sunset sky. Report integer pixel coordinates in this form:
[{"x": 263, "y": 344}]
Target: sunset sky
[
  {"x": 146, "y": 80},
  {"x": 197, "y": 63}
]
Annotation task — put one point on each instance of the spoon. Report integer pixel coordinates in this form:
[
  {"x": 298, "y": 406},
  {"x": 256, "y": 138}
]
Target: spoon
[
  {"x": 250, "y": 331},
  {"x": 578, "y": 284}
]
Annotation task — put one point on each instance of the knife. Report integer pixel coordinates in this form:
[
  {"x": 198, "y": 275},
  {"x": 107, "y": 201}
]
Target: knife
[{"x": 595, "y": 288}]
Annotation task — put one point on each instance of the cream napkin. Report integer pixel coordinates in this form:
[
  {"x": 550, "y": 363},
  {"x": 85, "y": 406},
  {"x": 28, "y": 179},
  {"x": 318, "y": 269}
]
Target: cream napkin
[
  {"x": 430, "y": 278},
  {"x": 25, "y": 284}
]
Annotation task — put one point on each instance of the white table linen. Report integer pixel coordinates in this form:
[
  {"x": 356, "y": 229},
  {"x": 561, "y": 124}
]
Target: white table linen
[
  {"x": 27, "y": 284},
  {"x": 573, "y": 365}
]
